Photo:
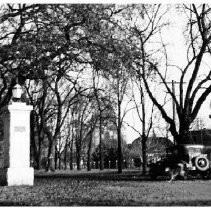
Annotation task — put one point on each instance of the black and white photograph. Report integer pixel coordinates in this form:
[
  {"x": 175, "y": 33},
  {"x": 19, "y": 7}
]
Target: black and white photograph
[{"x": 105, "y": 104}]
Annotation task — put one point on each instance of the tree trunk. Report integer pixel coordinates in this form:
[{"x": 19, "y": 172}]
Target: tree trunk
[
  {"x": 119, "y": 150},
  {"x": 39, "y": 155},
  {"x": 71, "y": 159},
  {"x": 89, "y": 153},
  {"x": 71, "y": 155},
  {"x": 78, "y": 153},
  {"x": 183, "y": 136},
  {"x": 38, "y": 152},
  {"x": 78, "y": 161},
  {"x": 35, "y": 150},
  {"x": 65, "y": 156},
  {"x": 56, "y": 158},
  {"x": 50, "y": 157},
  {"x": 89, "y": 166},
  {"x": 144, "y": 137},
  {"x": 144, "y": 154},
  {"x": 119, "y": 139},
  {"x": 101, "y": 144},
  {"x": 60, "y": 161}
]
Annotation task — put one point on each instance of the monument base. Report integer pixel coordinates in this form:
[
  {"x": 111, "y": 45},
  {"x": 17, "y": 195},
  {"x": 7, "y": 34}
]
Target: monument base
[{"x": 17, "y": 176}]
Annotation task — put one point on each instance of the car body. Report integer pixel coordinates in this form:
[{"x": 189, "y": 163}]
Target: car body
[{"x": 195, "y": 158}]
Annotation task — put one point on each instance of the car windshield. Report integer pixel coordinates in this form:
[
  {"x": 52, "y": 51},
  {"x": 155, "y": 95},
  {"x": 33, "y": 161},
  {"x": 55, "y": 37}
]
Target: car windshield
[{"x": 194, "y": 150}]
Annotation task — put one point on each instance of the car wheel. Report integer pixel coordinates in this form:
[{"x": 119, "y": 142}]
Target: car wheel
[{"x": 201, "y": 163}]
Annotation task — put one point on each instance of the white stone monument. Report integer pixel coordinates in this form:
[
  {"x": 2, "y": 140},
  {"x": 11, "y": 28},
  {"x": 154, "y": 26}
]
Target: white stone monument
[{"x": 15, "y": 145}]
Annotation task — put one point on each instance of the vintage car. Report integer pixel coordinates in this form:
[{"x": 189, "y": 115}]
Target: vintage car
[{"x": 196, "y": 160}]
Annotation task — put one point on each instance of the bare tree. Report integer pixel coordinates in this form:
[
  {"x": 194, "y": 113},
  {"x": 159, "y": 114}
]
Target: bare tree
[
  {"x": 190, "y": 99},
  {"x": 85, "y": 120},
  {"x": 145, "y": 116}
]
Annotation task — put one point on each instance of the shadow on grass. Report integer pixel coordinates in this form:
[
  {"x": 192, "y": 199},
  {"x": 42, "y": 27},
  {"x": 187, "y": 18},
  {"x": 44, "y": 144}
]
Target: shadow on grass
[
  {"x": 109, "y": 203},
  {"x": 88, "y": 202},
  {"x": 10, "y": 203},
  {"x": 104, "y": 176},
  {"x": 131, "y": 175},
  {"x": 152, "y": 204}
]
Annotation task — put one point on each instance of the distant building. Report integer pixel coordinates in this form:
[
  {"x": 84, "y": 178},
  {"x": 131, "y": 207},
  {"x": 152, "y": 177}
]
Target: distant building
[
  {"x": 202, "y": 136},
  {"x": 156, "y": 148}
]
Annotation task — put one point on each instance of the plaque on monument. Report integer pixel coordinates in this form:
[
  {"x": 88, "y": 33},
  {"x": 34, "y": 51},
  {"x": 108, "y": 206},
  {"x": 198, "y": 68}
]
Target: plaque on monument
[{"x": 20, "y": 129}]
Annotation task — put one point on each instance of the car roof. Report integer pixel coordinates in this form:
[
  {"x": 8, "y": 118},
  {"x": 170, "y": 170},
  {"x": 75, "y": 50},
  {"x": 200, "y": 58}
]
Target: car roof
[
  {"x": 187, "y": 146},
  {"x": 192, "y": 145}
]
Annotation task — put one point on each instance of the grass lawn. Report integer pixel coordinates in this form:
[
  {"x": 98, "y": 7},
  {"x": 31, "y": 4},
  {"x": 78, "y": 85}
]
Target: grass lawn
[{"x": 105, "y": 189}]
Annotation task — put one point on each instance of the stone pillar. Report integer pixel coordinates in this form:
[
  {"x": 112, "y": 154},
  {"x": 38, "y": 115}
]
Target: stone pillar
[{"x": 15, "y": 145}]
